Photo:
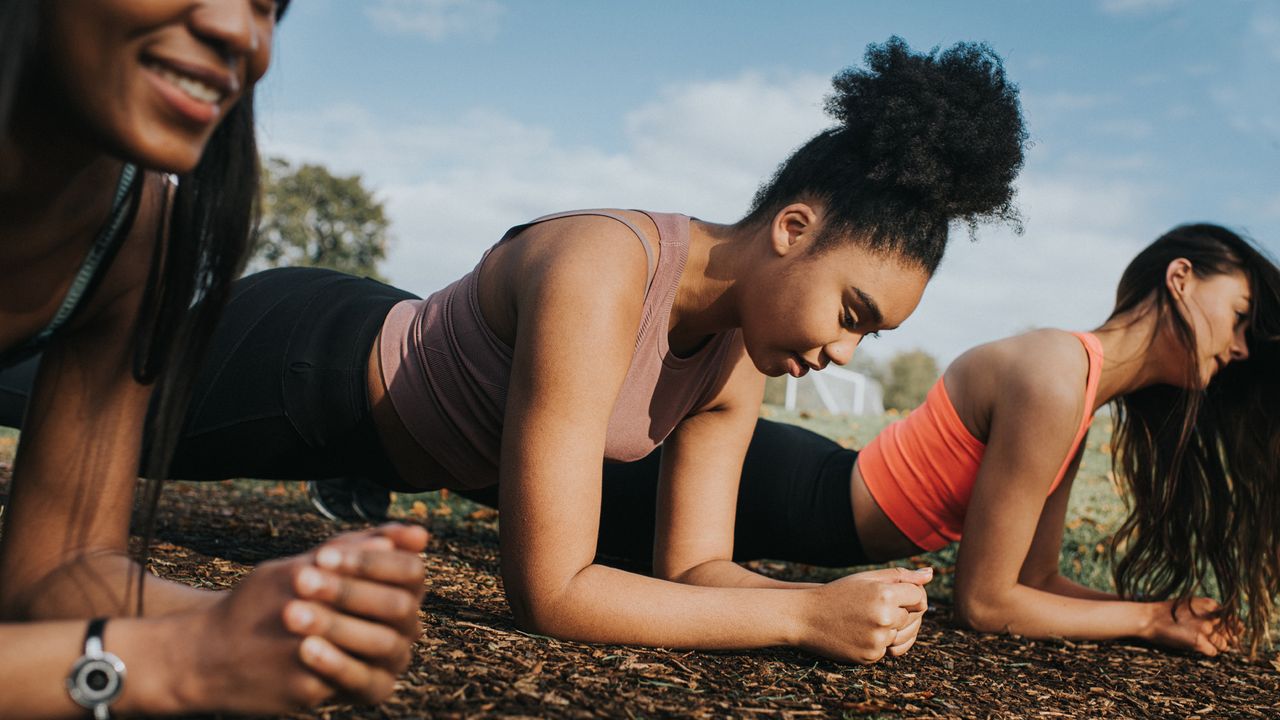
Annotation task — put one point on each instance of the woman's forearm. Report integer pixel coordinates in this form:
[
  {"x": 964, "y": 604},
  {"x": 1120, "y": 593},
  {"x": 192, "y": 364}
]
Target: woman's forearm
[
  {"x": 1059, "y": 585},
  {"x": 856, "y": 618},
  {"x": 602, "y": 604},
  {"x": 1035, "y": 613},
  {"x": 726, "y": 573},
  {"x": 104, "y": 584},
  {"x": 37, "y": 657}
]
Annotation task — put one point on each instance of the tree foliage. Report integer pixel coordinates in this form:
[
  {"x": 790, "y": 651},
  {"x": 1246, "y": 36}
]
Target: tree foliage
[
  {"x": 907, "y": 378},
  {"x": 313, "y": 218}
]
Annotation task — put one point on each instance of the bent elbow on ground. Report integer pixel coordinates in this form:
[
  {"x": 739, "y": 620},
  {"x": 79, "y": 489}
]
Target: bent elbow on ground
[
  {"x": 539, "y": 615},
  {"x": 980, "y": 615}
]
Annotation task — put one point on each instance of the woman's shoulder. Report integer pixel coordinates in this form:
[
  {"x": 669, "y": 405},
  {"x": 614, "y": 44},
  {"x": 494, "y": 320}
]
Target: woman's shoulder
[
  {"x": 1044, "y": 368},
  {"x": 606, "y": 245},
  {"x": 571, "y": 231}
]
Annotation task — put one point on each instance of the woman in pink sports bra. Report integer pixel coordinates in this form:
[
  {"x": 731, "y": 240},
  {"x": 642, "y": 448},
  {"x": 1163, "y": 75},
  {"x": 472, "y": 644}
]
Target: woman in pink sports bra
[{"x": 601, "y": 334}]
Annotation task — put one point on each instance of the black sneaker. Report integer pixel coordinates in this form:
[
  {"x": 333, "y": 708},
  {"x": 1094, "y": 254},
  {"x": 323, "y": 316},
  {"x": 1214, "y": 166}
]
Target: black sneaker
[
  {"x": 349, "y": 499},
  {"x": 371, "y": 501}
]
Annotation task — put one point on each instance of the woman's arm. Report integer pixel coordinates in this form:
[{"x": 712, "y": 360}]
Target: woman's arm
[
  {"x": 249, "y": 654},
  {"x": 577, "y": 316},
  {"x": 1041, "y": 568},
  {"x": 64, "y": 551},
  {"x": 698, "y": 487},
  {"x": 1033, "y": 421},
  {"x": 37, "y": 657}
]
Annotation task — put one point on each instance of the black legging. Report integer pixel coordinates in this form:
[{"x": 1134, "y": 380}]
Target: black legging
[{"x": 282, "y": 395}]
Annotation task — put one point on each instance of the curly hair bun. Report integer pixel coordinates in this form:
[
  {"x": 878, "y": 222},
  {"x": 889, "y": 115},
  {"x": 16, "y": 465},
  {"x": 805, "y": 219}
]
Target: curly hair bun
[{"x": 943, "y": 128}]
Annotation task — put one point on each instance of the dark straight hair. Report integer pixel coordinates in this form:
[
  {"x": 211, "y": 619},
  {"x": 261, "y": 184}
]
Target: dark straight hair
[
  {"x": 200, "y": 248},
  {"x": 1199, "y": 465}
]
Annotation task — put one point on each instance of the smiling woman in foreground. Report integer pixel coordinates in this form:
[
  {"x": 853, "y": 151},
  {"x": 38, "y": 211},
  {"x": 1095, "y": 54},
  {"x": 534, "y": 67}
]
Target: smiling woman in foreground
[{"x": 117, "y": 270}]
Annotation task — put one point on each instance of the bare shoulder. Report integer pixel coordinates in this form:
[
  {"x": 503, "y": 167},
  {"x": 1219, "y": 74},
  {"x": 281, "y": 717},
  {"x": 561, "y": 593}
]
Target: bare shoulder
[
  {"x": 1037, "y": 372},
  {"x": 590, "y": 238},
  {"x": 593, "y": 249}
]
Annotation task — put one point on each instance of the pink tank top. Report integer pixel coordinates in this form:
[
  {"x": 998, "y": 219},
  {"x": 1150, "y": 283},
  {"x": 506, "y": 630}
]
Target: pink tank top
[
  {"x": 447, "y": 372},
  {"x": 921, "y": 470}
]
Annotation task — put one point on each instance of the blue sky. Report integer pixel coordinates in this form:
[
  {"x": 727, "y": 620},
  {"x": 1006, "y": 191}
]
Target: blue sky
[{"x": 468, "y": 116}]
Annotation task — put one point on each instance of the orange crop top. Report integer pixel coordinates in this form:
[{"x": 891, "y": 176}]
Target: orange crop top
[{"x": 921, "y": 469}]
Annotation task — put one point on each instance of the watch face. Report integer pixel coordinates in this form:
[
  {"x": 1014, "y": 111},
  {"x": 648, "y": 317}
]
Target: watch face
[
  {"x": 95, "y": 681},
  {"x": 98, "y": 680}
]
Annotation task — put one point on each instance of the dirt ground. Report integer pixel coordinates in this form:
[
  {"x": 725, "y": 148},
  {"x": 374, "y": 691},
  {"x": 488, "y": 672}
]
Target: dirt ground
[{"x": 473, "y": 662}]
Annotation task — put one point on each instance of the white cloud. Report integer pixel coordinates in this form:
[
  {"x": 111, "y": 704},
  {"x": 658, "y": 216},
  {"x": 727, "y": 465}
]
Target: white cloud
[
  {"x": 452, "y": 186},
  {"x": 437, "y": 19},
  {"x": 1136, "y": 7},
  {"x": 1081, "y": 231},
  {"x": 1266, "y": 28}
]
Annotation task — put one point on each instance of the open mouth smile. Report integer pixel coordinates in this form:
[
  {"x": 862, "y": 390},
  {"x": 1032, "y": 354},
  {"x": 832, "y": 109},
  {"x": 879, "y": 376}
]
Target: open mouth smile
[{"x": 195, "y": 92}]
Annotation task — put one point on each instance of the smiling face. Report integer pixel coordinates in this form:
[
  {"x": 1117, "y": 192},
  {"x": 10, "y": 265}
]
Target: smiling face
[
  {"x": 807, "y": 309},
  {"x": 151, "y": 79},
  {"x": 1217, "y": 309}
]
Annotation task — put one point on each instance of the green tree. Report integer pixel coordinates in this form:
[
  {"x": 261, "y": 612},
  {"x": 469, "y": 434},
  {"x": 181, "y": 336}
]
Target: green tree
[
  {"x": 907, "y": 379},
  {"x": 313, "y": 218}
]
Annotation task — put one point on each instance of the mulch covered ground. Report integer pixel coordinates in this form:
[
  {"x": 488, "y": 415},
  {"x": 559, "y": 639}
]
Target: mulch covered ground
[{"x": 473, "y": 662}]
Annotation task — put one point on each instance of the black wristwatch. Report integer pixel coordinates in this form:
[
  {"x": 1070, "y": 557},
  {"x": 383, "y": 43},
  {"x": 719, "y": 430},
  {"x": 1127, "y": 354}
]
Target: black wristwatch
[{"x": 97, "y": 678}]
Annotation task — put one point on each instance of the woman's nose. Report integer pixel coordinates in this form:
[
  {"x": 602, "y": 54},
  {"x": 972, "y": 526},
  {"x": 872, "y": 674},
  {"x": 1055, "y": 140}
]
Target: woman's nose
[
  {"x": 841, "y": 351},
  {"x": 230, "y": 23}
]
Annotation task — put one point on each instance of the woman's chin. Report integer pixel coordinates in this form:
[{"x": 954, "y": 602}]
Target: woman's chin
[{"x": 165, "y": 150}]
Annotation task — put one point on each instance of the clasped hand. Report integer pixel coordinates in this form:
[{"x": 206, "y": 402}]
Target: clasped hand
[
  {"x": 865, "y": 616},
  {"x": 335, "y": 623}
]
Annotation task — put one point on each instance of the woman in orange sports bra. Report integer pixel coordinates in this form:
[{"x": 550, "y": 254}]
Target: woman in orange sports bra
[{"x": 1189, "y": 362}]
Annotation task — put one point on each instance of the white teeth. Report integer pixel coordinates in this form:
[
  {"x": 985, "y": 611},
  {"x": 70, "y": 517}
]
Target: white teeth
[{"x": 195, "y": 88}]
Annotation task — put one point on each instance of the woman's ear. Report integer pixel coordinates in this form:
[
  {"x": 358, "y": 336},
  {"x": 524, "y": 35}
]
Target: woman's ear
[
  {"x": 794, "y": 227},
  {"x": 1177, "y": 276}
]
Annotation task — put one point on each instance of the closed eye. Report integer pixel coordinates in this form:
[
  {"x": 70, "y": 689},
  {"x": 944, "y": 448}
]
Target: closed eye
[{"x": 848, "y": 320}]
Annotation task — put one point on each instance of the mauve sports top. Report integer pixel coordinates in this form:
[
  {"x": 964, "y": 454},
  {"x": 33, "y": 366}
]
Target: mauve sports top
[
  {"x": 921, "y": 469},
  {"x": 447, "y": 372}
]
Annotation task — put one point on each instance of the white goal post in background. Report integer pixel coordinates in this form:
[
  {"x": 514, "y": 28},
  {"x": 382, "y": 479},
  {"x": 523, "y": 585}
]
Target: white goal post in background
[{"x": 839, "y": 390}]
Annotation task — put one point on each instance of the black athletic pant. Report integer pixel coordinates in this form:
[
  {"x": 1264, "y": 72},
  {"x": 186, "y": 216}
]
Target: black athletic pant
[{"x": 282, "y": 395}]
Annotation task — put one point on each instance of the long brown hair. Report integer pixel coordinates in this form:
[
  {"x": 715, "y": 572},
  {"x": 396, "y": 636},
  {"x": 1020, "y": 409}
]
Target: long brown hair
[{"x": 1199, "y": 465}]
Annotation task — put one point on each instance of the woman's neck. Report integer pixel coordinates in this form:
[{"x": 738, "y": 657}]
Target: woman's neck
[
  {"x": 705, "y": 302},
  {"x": 1135, "y": 354}
]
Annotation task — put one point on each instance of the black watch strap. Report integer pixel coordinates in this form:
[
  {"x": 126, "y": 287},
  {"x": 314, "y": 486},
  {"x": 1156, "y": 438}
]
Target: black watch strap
[{"x": 97, "y": 678}]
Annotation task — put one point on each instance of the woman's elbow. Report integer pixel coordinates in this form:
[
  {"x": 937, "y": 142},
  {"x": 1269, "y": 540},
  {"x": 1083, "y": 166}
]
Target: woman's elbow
[
  {"x": 537, "y": 613},
  {"x": 979, "y": 613}
]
